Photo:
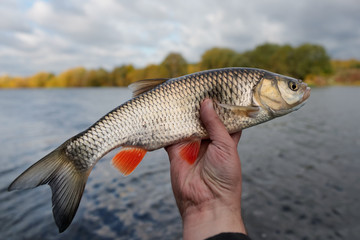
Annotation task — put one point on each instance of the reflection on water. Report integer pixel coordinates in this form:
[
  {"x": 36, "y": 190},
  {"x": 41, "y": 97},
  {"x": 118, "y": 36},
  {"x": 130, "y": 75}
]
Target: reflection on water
[{"x": 300, "y": 172}]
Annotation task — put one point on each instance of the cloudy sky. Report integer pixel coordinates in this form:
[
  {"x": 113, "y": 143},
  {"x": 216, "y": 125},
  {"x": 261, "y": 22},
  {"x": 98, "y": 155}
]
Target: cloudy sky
[{"x": 46, "y": 35}]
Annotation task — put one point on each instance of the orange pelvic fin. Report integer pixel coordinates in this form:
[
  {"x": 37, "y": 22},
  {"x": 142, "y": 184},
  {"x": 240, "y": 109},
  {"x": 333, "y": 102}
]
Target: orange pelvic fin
[
  {"x": 128, "y": 158},
  {"x": 190, "y": 150}
]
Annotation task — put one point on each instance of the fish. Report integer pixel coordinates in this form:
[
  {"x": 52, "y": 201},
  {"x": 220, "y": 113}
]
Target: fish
[{"x": 160, "y": 113}]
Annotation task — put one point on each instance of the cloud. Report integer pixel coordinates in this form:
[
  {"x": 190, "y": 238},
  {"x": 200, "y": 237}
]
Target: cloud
[{"x": 56, "y": 35}]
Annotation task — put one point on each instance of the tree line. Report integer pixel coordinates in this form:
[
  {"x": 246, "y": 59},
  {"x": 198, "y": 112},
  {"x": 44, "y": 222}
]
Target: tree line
[{"x": 307, "y": 61}]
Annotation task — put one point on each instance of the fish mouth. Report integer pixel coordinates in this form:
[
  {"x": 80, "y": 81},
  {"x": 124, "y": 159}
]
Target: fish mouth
[
  {"x": 304, "y": 98},
  {"x": 306, "y": 94}
]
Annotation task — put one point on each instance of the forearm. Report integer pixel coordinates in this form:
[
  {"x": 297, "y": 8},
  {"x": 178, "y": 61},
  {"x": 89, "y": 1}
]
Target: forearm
[{"x": 214, "y": 218}]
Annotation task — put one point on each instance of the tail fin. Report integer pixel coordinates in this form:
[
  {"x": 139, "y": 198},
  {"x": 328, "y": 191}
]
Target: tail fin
[{"x": 67, "y": 184}]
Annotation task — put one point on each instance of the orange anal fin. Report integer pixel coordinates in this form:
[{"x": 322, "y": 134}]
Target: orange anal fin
[
  {"x": 190, "y": 150},
  {"x": 128, "y": 158}
]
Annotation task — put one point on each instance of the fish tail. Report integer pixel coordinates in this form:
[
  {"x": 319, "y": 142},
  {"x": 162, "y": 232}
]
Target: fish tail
[{"x": 66, "y": 182}]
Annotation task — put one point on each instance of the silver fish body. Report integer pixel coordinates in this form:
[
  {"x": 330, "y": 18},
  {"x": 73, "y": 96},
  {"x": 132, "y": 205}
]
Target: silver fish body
[
  {"x": 160, "y": 116},
  {"x": 167, "y": 114}
]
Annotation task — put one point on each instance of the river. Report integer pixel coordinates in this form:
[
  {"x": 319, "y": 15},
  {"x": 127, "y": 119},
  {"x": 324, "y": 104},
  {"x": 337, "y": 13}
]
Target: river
[{"x": 301, "y": 172}]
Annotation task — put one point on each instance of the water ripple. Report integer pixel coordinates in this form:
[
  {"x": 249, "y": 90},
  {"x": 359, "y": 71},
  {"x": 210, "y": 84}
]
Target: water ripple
[{"x": 300, "y": 172}]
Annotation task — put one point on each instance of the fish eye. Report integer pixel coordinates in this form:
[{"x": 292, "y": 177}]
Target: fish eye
[{"x": 293, "y": 86}]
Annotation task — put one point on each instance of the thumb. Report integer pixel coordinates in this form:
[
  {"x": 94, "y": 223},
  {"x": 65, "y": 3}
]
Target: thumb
[{"x": 212, "y": 123}]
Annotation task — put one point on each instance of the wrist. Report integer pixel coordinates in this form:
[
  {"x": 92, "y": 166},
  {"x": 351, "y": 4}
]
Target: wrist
[{"x": 211, "y": 218}]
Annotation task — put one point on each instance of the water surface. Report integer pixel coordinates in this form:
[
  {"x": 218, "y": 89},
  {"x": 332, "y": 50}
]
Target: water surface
[{"x": 300, "y": 172}]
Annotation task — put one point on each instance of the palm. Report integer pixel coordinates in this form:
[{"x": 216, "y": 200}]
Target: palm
[
  {"x": 208, "y": 191},
  {"x": 209, "y": 177}
]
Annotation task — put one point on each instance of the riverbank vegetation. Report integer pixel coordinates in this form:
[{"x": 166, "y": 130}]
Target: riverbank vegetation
[{"x": 308, "y": 61}]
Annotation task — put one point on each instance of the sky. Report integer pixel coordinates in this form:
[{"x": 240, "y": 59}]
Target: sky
[{"x": 53, "y": 36}]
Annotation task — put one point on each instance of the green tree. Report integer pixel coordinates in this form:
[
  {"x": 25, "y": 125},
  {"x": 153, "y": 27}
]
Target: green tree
[
  {"x": 310, "y": 59},
  {"x": 218, "y": 58},
  {"x": 240, "y": 60},
  {"x": 262, "y": 56},
  {"x": 174, "y": 65},
  {"x": 155, "y": 71},
  {"x": 281, "y": 60}
]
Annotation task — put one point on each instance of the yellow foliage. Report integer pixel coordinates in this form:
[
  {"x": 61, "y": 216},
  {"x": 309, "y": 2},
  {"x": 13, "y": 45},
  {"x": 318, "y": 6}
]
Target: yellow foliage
[
  {"x": 12, "y": 82},
  {"x": 345, "y": 64},
  {"x": 192, "y": 68},
  {"x": 316, "y": 80},
  {"x": 39, "y": 80}
]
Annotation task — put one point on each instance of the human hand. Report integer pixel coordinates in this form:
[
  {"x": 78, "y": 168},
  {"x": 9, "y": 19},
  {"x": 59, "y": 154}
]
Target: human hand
[{"x": 208, "y": 192}]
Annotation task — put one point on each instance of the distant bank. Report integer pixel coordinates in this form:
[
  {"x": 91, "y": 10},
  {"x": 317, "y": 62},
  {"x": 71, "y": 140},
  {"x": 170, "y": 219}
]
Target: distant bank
[{"x": 307, "y": 61}]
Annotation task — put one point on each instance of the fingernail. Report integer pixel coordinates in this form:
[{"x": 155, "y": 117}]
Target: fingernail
[{"x": 208, "y": 102}]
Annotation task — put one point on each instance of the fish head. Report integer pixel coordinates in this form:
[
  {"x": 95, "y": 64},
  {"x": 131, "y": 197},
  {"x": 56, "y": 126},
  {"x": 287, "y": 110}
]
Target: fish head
[{"x": 280, "y": 94}]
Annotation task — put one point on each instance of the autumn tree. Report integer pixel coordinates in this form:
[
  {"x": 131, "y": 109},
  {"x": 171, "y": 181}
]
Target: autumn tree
[
  {"x": 136, "y": 75},
  {"x": 71, "y": 78},
  {"x": 120, "y": 75},
  {"x": 7, "y": 81},
  {"x": 305, "y": 61},
  {"x": 39, "y": 80},
  {"x": 97, "y": 78}
]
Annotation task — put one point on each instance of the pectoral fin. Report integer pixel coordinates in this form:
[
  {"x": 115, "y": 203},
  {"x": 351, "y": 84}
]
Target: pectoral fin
[
  {"x": 189, "y": 150},
  {"x": 248, "y": 111}
]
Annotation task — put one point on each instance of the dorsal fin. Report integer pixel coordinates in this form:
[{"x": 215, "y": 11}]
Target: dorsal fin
[{"x": 145, "y": 85}]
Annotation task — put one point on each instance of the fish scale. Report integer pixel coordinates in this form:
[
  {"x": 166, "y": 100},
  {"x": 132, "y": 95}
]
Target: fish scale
[
  {"x": 162, "y": 113},
  {"x": 168, "y": 105}
]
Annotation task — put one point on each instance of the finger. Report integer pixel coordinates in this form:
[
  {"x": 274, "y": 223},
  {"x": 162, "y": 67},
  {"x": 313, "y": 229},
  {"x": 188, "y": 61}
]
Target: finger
[
  {"x": 172, "y": 151},
  {"x": 212, "y": 122},
  {"x": 175, "y": 159},
  {"x": 178, "y": 167},
  {"x": 236, "y": 137}
]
